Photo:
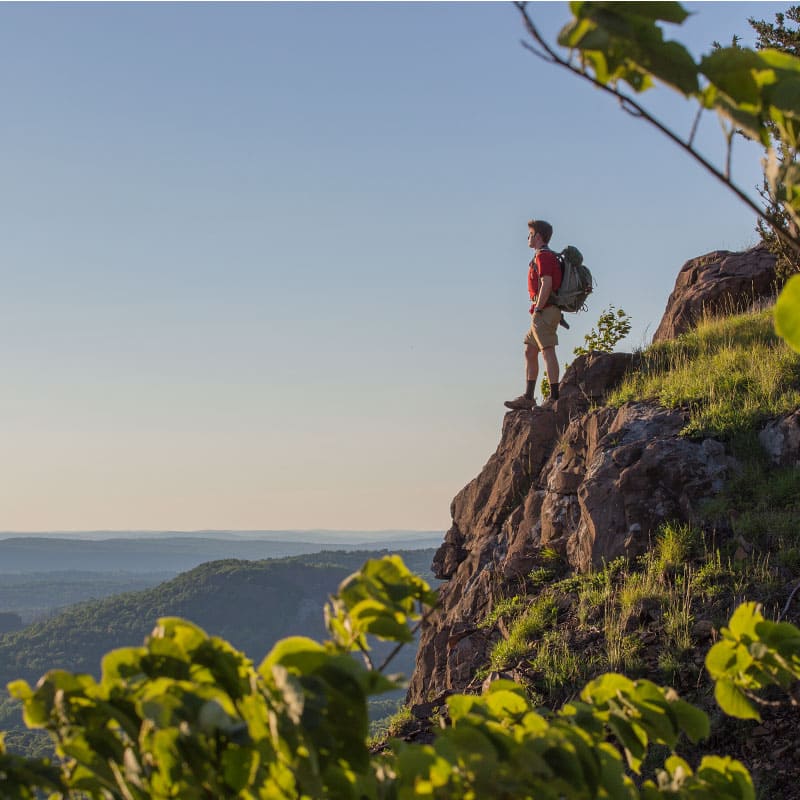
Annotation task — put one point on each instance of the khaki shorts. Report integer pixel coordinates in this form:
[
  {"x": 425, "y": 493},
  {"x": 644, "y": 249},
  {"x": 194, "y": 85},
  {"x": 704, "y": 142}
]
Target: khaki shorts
[{"x": 544, "y": 327}]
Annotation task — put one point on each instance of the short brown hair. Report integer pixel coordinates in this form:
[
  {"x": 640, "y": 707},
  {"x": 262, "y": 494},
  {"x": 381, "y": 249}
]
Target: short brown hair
[{"x": 544, "y": 229}]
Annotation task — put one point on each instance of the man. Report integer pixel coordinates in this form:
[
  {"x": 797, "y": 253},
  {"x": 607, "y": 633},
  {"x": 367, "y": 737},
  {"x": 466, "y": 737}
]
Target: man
[{"x": 544, "y": 278}]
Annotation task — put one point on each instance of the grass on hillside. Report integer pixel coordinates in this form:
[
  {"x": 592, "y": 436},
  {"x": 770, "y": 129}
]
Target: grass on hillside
[
  {"x": 730, "y": 372},
  {"x": 636, "y": 617}
]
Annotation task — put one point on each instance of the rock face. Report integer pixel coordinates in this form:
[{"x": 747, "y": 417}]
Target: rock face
[
  {"x": 593, "y": 483},
  {"x": 781, "y": 440},
  {"x": 717, "y": 283}
]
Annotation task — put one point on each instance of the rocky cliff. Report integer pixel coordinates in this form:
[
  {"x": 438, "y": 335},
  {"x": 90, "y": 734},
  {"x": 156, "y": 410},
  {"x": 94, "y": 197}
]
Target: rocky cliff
[
  {"x": 720, "y": 282},
  {"x": 590, "y": 481}
]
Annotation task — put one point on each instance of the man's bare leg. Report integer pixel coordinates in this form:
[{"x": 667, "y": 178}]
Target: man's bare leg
[
  {"x": 532, "y": 363},
  {"x": 551, "y": 369},
  {"x": 527, "y": 401}
]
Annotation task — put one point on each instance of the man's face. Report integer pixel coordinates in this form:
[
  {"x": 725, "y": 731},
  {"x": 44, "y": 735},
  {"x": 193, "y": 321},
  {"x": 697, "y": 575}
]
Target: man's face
[{"x": 532, "y": 238}]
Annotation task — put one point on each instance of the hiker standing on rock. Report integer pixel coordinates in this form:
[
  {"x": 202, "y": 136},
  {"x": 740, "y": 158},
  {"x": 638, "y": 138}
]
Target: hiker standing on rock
[{"x": 544, "y": 278}]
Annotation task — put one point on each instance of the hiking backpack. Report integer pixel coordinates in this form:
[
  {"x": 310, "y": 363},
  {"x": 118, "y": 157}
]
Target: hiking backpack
[{"x": 576, "y": 281}]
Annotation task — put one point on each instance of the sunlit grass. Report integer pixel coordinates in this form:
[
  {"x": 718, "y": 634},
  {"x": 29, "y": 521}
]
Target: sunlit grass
[
  {"x": 728, "y": 372},
  {"x": 532, "y": 623}
]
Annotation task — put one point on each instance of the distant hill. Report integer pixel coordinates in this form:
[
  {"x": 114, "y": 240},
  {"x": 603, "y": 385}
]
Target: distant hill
[
  {"x": 35, "y": 595},
  {"x": 249, "y": 603},
  {"x": 173, "y": 553}
]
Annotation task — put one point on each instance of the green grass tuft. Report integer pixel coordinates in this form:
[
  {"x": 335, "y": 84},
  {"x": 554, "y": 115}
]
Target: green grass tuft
[{"x": 532, "y": 623}]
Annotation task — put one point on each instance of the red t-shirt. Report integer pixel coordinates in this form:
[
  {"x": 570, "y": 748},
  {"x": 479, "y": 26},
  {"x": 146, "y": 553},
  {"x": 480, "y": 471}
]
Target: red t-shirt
[{"x": 543, "y": 263}]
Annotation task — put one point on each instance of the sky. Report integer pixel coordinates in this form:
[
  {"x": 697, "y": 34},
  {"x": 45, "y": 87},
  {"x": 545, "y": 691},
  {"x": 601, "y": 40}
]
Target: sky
[{"x": 264, "y": 264}]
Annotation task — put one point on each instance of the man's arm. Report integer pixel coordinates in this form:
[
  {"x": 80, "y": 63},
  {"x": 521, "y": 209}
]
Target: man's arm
[{"x": 545, "y": 287}]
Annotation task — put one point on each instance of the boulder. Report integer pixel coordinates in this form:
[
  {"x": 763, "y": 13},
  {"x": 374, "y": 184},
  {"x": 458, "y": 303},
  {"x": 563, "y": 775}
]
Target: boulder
[
  {"x": 590, "y": 378},
  {"x": 781, "y": 440},
  {"x": 717, "y": 283}
]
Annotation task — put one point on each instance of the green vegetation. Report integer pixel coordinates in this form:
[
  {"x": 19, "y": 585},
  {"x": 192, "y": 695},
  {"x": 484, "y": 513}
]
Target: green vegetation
[
  {"x": 730, "y": 372},
  {"x": 186, "y": 715},
  {"x": 539, "y": 615},
  {"x": 506, "y": 609},
  {"x": 639, "y": 617},
  {"x": 389, "y": 726},
  {"x": 34, "y": 596},
  {"x": 612, "y": 327}
]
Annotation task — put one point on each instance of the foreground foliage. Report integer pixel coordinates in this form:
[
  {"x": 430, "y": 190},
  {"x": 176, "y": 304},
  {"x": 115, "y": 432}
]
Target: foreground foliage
[{"x": 188, "y": 716}]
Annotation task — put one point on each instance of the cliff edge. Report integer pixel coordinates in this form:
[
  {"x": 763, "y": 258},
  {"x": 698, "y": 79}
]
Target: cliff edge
[{"x": 589, "y": 481}]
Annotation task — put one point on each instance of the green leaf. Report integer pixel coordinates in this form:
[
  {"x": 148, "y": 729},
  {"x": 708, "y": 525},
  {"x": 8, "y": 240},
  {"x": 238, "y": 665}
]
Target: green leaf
[
  {"x": 185, "y": 634},
  {"x": 787, "y": 313},
  {"x": 672, "y": 64},
  {"x": 602, "y": 689},
  {"x": 460, "y": 705},
  {"x": 657, "y": 11},
  {"x": 632, "y": 738},
  {"x": 726, "y": 778},
  {"x": 732, "y": 70},
  {"x": 721, "y": 658},
  {"x": 781, "y": 636},
  {"x": 733, "y": 701},
  {"x": 674, "y": 763},
  {"x": 123, "y": 663},
  {"x": 572, "y": 35},
  {"x": 694, "y": 722},
  {"x": 504, "y": 703},
  {"x": 20, "y": 690},
  {"x": 297, "y": 653},
  {"x": 744, "y": 620},
  {"x": 785, "y": 95}
]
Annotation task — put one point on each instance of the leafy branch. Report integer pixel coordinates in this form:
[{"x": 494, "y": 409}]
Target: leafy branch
[{"x": 621, "y": 42}]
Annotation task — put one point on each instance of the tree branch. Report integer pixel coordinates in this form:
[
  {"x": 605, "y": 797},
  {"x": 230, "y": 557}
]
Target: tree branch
[
  {"x": 635, "y": 109},
  {"x": 695, "y": 125},
  {"x": 400, "y": 645},
  {"x": 788, "y": 602}
]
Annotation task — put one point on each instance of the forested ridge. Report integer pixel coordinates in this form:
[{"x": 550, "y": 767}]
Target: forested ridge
[{"x": 249, "y": 603}]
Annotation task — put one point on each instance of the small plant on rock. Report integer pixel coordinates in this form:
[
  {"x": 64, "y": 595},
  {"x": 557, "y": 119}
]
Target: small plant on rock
[{"x": 612, "y": 327}]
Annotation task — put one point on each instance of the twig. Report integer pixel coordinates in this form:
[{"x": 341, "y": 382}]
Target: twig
[
  {"x": 788, "y": 602},
  {"x": 528, "y": 46},
  {"x": 399, "y": 646},
  {"x": 729, "y": 155},
  {"x": 762, "y": 702},
  {"x": 695, "y": 124},
  {"x": 365, "y": 655}
]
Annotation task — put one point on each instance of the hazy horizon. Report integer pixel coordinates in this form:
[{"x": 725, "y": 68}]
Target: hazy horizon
[{"x": 322, "y": 534}]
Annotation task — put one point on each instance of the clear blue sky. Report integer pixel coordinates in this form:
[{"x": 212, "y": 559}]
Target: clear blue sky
[{"x": 264, "y": 265}]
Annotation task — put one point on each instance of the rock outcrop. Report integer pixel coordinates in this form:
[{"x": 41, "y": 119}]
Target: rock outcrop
[
  {"x": 717, "y": 283},
  {"x": 592, "y": 483},
  {"x": 780, "y": 439}
]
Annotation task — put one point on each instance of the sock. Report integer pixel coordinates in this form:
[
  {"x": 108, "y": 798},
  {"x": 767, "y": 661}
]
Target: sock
[
  {"x": 530, "y": 389},
  {"x": 554, "y": 391}
]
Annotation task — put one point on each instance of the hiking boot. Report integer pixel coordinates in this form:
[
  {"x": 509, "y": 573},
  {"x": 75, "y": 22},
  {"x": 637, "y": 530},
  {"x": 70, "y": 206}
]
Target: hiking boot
[{"x": 521, "y": 403}]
